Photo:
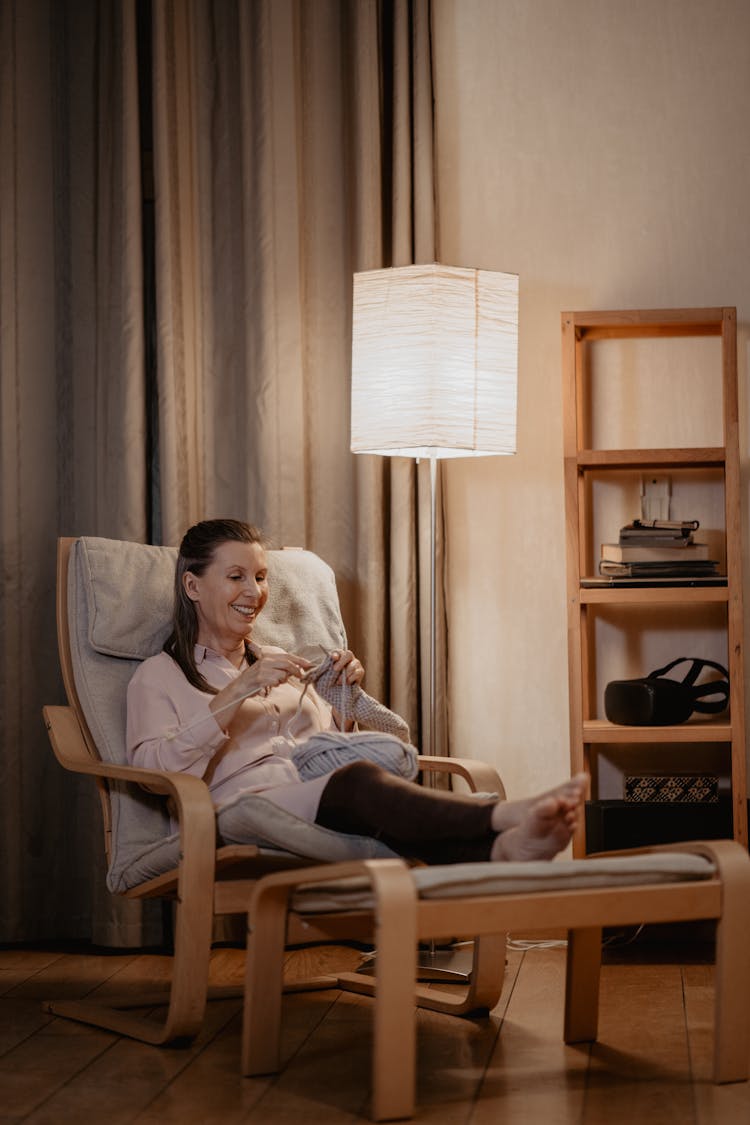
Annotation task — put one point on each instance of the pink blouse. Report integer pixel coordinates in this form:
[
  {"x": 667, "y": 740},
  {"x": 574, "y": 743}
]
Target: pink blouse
[{"x": 170, "y": 727}]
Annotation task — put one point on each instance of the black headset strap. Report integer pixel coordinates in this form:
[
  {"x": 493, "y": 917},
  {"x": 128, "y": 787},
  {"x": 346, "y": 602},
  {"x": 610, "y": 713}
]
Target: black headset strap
[
  {"x": 696, "y": 667},
  {"x": 713, "y": 687}
]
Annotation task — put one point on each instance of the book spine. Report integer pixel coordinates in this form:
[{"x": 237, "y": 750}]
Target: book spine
[{"x": 633, "y": 552}]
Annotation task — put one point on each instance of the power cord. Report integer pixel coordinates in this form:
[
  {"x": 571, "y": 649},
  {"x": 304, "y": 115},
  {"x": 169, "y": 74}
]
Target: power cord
[{"x": 523, "y": 945}]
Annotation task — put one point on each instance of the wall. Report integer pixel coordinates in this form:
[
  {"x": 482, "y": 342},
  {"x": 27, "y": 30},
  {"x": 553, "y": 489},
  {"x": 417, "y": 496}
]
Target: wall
[{"x": 601, "y": 150}]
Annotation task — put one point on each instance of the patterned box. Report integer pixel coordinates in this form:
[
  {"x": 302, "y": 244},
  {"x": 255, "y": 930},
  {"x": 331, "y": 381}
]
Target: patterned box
[{"x": 680, "y": 788}]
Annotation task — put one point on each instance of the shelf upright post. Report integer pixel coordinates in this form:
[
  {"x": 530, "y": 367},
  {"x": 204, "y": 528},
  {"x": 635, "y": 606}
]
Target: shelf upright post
[
  {"x": 735, "y": 617},
  {"x": 572, "y": 438}
]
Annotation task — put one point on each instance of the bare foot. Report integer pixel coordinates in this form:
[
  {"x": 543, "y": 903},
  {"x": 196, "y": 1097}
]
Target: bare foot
[
  {"x": 508, "y": 814},
  {"x": 545, "y": 830}
]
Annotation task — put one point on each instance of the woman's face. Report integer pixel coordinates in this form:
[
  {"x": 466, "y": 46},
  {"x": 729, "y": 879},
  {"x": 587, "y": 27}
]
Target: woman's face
[{"x": 230, "y": 594}]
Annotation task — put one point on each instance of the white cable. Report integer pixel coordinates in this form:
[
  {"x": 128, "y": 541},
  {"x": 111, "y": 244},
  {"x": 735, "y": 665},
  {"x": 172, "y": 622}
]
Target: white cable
[
  {"x": 613, "y": 941},
  {"x": 620, "y": 938},
  {"x": 522, "y": 946}
]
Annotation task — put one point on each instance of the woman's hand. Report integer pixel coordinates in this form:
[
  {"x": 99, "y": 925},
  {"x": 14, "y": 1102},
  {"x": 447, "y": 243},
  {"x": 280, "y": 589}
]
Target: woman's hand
[
  {"x": 349, "y": 668},
  {"x": 272, "y": 669},
  {"x": 269, "y": 670}
]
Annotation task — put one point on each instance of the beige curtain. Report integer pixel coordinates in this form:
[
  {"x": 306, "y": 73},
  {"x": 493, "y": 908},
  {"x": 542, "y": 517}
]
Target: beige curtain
[
  {"x": 293, "y": 146},
  {"x": 72, "y": 454}
]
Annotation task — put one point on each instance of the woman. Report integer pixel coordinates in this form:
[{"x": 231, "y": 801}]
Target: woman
[{"x": 216, "y": 705}]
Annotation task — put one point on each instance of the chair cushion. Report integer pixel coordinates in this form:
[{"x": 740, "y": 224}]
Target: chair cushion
[
  {"x": 129, "y": 591},
  {"x": 119, "y": 608},
  {"x": 460, "y": 880}
]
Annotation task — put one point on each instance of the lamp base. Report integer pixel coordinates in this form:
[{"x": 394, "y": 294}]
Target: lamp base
[{"x": 449, "y": 965}]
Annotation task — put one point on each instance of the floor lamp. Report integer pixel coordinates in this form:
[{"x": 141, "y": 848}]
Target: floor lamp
[{"x": 434, "y": 375}]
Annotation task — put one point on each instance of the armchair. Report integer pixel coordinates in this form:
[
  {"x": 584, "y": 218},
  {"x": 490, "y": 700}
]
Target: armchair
[{"x": 114, "y": 605}]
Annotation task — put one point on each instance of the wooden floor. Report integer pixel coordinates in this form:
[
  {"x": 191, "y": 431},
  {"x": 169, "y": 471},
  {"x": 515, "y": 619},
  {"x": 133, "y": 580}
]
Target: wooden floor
[{"x": 650, "y": 1066}]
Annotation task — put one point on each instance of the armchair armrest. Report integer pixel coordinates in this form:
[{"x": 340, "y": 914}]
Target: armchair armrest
[
  {"x": 193, "y": 805},
  {"x": 70, "y": 749},
  {"x": 480, "y": 777}
]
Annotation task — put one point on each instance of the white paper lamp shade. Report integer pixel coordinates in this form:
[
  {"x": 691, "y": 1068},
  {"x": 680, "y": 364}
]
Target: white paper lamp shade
[{"x": 434, "y": 362}]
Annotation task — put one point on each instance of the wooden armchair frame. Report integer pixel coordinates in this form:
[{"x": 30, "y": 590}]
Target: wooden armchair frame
[{"x": 209, "y": 880}]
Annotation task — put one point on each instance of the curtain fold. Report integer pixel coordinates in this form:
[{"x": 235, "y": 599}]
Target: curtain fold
[
  {"x": 72, "y": 419},
  {"x": 293, "y": 146}
]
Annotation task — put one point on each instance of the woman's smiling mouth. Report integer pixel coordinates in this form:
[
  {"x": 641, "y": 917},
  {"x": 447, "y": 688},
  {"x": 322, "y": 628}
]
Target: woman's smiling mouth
[{"x": 246, "y": 611}]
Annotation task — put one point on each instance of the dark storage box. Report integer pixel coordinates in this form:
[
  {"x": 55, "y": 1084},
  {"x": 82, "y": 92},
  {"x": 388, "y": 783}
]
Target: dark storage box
[{"x": 611, "y": 825}]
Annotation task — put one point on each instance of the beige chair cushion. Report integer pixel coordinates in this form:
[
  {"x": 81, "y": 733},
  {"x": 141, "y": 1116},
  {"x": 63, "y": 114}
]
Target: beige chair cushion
[
  {"x": 459, "y": 880},
  {"x": 129, "y": 590}
]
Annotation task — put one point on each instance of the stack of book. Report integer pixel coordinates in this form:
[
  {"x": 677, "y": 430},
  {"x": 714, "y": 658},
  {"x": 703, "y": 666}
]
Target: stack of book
[{"x": 657, "y": 549}]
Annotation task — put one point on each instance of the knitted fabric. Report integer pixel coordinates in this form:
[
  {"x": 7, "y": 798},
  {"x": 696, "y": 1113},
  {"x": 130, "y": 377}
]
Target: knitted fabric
[{"x": 353, "y": 703}]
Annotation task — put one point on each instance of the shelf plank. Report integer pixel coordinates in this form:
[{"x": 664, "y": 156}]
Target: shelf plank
[
  {"x": 696, "y": 730},
  {"x": 702, "y": 458},
  {"x": 653, "y": 595},
  {"x": 602, "y": 324},
  {"x": 623, "y": 331}
]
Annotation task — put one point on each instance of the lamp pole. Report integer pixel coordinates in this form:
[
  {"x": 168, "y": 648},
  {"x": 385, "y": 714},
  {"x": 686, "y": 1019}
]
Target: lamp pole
[{"x": 433, "y": 607}]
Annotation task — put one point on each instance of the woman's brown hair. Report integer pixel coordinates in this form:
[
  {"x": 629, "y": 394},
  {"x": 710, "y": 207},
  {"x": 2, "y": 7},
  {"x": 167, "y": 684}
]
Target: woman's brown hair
[{"x": 197, "y": 550}]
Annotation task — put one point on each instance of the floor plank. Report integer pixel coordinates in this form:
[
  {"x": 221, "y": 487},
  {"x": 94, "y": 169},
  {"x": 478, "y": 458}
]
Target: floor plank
[
  {"x": 453, "y": 1056},
  {"x": 74, "y": 976},
  {"x": 533, "y": 1076},
  {"x": 18, "y": 965},
  {"x": 44, "y": 1063},
  {"x": 41, "y": 1054},
  {"x": 729, "y": 1105},
  {"x": 143, "y": 1070},
  {"x": 640, "y": 1067},
  {"x": 651, "y": 1064}
]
